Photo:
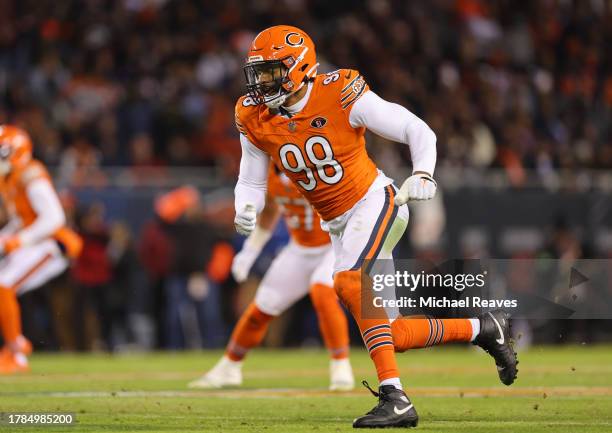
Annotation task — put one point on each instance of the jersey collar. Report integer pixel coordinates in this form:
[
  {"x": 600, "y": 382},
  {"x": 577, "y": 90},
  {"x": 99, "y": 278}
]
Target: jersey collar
[{"x": 299, "y": 106}]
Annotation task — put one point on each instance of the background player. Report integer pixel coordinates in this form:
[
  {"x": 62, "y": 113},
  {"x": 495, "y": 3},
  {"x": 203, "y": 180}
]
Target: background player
[
  {"x": 312, "y": 126},
  {"x": 304, "y": 265},
  {"x": 35, "y": 243}
]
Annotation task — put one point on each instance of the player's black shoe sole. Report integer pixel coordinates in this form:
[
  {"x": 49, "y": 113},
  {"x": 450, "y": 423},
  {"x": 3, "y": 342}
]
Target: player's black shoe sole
[
  {"x": 495, "y": 339},
  {"x": 394, "y": 409}
]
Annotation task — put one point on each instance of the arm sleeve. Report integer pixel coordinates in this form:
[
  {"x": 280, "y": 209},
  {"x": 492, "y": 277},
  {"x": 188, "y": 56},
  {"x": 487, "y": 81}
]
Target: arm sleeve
[
  {"x": 396, "y": 123},
  {"x": 253, "y": 177},
  {"x": 50, "y": 216}
]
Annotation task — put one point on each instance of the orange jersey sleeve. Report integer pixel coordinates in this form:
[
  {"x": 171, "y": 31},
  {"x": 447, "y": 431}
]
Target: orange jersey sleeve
[
  {"x": 301, "y": 219},
  {"x": 14, "y": 190},
  {"x": 353, "y": 86},
  {"x": 245, "y": 116},
  {"x": 317, "y": 148}
]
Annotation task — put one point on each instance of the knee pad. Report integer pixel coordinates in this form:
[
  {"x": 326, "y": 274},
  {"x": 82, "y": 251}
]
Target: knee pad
[{"x": 347, "y": 284}]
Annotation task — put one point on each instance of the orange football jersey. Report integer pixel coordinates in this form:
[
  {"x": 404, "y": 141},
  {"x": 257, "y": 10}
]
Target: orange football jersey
[
  {"x": 317, "y": 148},
  {"x": 301, "y": 219},
  {"x": 15, "y": 198}
]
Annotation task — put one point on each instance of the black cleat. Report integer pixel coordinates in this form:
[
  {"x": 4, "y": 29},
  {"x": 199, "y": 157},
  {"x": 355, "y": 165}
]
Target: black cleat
[
  {"x": 393, "y": 410},
  {"x": 494, "y": 338}
]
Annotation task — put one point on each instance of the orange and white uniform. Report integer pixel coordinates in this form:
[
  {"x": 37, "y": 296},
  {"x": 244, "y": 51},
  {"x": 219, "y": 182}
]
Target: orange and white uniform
[
  {"x": 302, "y": 220},
  {"x": 317, "y": 147},
  {"x": 35, "y": 244},
  {"x": 305, "y": 261},
  {"x": 319, "y": 144},
  {"x": 303, "y": 267},
  {"x": 312, "y": 126},
  {"x": 39, "y": 245}
]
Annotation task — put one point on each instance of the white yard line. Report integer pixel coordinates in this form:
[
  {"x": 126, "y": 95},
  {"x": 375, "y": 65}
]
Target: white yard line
[{"x": 468, "y": 392}]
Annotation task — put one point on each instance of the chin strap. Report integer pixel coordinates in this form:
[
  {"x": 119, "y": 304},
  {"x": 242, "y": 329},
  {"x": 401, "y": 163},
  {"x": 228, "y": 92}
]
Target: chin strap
[
  {"x": 283, "y": 111},
  {"x": 278, "y": 101}
]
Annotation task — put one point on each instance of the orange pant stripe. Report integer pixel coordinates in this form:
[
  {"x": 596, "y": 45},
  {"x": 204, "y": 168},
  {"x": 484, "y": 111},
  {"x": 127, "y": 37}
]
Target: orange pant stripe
[
  {"x": 34, "y": 268},
  {"x": 381, "y": 228},
  {"x": 379, "y": 239}
]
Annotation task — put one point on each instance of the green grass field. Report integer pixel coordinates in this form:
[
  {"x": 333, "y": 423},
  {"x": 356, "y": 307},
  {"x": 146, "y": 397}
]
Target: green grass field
[{"x": 560, "y": 389}]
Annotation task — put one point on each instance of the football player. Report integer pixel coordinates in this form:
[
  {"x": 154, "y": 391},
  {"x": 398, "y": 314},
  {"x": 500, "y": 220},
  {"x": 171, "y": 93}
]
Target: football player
[
  {"x": 304, "y": 266},
  {"x": 312, "y": 126},
  {"x": 35, "y": 244}
]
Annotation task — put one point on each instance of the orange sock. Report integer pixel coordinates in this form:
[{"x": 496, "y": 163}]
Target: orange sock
[
  {"x": 332, "y": 320},
  {"x": 10, "y": 315},
  {"x": 248, "y": 333},
  {"x": 376, "y": 332},
  {"x": 412, "y": 333}
]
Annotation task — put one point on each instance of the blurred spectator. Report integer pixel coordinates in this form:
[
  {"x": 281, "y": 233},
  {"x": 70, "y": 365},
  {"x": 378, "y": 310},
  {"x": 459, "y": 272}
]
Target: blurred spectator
[
  {"x": 103, "y": 277},
  {"x": 197, "y": 260},
  {"x": 180, "y": 151},
  {"x": 128, "y": 324},
  {"x": 79, "y": 165},
  {"x": 92, "y": 274}
]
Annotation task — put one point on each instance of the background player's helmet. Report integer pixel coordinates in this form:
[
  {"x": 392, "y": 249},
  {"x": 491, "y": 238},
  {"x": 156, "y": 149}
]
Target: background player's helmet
[
  {"x": 15, "y": 148},
  {"x": 280, "y": 61}
]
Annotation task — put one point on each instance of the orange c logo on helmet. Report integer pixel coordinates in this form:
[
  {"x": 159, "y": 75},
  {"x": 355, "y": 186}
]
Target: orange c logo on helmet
[{"x": 294, "y": 39}]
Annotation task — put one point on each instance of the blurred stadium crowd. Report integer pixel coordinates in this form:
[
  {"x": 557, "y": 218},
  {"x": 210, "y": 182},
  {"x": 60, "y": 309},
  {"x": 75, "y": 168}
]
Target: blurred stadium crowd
[{"x": 151, "y": 84}]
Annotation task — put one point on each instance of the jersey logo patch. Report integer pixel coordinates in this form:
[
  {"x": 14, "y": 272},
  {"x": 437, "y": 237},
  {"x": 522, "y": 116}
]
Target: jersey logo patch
[
  {"x": 318, "y": 122},
  {"x": 352, "y": 91}
]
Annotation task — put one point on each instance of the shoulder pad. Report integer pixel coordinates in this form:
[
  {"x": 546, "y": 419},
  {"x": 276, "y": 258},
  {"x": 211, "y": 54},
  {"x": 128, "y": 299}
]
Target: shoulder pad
[
  {"x": 34, "y": 170},
  {"x": 347, "y": 85},
  {"x": 245, "y": 109},
  {"x": 353, "y": 86}
]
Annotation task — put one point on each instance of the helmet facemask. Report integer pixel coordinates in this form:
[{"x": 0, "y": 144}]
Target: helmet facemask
[{"x": 265, "y": 81}]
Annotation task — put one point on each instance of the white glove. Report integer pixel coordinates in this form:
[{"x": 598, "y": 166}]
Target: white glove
[
  {"x": 243, "y": 261},
  {"x": 245, "y": 221},
  {"x": 242, "y": 264},
  {"x": 420, "y": 186}
]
